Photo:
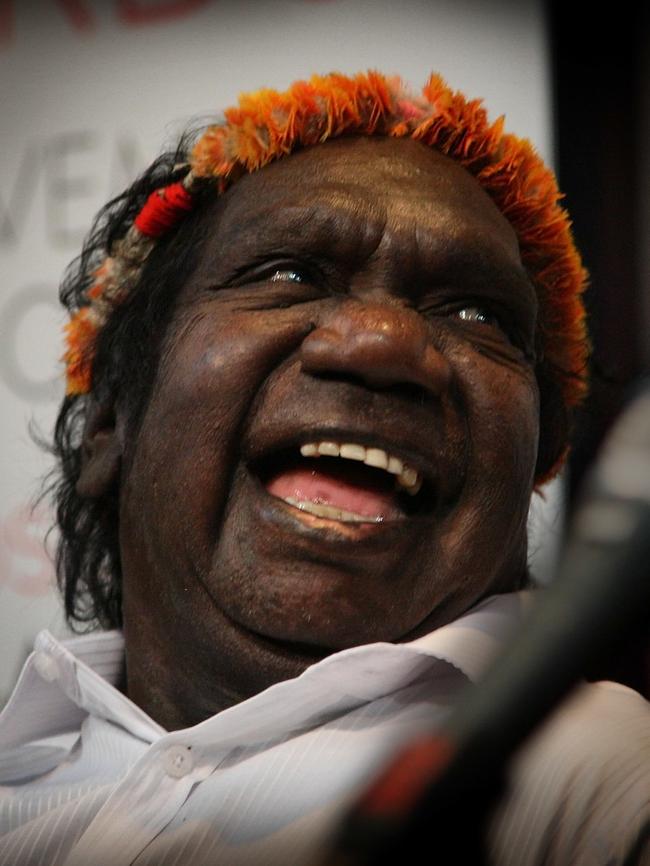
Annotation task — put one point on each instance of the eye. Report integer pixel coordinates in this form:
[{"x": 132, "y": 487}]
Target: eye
[
  {"x": 474, "y": 312},
  {"x": 495, "y": 321},
  {"x": 277, "y": 285},
  {"x": 278, "y": 271},
  {"x": 478, "y": 314},
  {"x": 483, "y": 320},
  {"x": 287, "y": 276}
]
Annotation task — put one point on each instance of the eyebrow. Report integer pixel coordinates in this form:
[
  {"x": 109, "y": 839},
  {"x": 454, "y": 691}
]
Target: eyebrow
[{"x": 478, "y": 267}]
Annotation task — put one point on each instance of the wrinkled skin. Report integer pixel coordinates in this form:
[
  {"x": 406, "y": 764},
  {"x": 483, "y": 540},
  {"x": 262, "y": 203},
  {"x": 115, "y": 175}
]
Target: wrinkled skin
[{"x": 327, "y": 304}]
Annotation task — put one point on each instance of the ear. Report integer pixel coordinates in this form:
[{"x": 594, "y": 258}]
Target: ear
[{"x": 101, "y": 453}]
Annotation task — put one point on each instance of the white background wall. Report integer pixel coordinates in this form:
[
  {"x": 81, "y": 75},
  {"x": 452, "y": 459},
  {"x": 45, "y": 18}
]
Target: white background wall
[{"x": 89, "y": 92}]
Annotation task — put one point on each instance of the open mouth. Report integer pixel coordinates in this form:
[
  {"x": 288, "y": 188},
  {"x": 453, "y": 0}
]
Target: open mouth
[{"x": 346, "y": 482}]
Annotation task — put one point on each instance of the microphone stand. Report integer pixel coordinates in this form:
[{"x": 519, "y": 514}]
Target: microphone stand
[{"x": 437, "y": 795}]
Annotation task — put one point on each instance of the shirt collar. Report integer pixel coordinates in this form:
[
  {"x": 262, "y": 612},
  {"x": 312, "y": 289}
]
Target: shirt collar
[
  {"x": 64, "y": 681},
  {"x": 472, "y": 641}
]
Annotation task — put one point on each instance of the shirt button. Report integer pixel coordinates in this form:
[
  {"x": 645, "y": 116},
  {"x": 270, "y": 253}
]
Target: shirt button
[
  {"x": 177, "y": 761},
  {"x": 46, "y": 667}
]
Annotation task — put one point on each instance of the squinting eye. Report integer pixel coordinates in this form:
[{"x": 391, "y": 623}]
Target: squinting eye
[
  {"x": 287, "y": 277},
  {"x": 477, "y": 314}
]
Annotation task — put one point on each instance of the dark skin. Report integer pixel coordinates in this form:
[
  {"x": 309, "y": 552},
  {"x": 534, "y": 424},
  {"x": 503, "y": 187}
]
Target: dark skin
[{"x": 366, "y": 291}]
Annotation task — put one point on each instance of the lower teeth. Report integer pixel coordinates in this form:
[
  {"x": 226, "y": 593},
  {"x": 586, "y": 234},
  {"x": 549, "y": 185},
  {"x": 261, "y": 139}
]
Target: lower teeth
[{"x": 331, "y": 511}]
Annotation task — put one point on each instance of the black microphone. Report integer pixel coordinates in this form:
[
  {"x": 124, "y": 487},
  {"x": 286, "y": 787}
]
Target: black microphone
[{"x": 599, "y": 597}]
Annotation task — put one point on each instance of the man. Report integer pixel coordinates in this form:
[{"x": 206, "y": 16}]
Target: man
[{"x": 317, "y": 364}]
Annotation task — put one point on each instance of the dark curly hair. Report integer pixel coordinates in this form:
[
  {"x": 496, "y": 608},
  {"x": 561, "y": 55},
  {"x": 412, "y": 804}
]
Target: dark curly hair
[
  {"x": 87, "y": 559},
  {"x": 124, "y": 368}
]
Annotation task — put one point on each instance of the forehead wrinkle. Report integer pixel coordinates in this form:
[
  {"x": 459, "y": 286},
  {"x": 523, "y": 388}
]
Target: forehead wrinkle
[
  {"x": 334, "y": 219},
  {"x": 326, "y": 202}
]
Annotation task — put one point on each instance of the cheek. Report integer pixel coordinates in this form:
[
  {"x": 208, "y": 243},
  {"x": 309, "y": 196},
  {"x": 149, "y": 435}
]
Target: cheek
[
  {"x": 503, "y": 424},
  {"x": 484, "y": 541},
  {"x": 217, "y": 359},
  {"x": 211, "y": 371}
]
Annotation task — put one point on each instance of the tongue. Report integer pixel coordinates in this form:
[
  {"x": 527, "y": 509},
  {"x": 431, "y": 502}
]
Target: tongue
[{"x": 350, "y": 489}]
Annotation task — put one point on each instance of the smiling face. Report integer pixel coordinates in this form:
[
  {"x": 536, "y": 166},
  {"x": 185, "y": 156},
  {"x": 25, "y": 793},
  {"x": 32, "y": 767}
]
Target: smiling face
[{"x": 340, "y": 444}]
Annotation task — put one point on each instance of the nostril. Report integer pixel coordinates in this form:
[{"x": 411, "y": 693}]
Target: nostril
[{"x": 407, "y": 392}]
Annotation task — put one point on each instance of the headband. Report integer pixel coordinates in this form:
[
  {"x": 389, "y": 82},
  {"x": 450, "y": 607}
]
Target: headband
[{"x": 268, "y": 125}]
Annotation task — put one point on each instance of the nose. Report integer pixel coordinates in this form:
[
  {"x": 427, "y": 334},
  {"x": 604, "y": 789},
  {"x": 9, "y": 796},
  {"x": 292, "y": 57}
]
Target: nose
[{"x": 382, "y": 344}]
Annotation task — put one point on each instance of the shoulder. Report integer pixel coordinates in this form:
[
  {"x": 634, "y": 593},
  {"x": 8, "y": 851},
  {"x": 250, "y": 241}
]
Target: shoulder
[
  {"x": 602, "y": 707},
  {"x": 579, "y": 791}
]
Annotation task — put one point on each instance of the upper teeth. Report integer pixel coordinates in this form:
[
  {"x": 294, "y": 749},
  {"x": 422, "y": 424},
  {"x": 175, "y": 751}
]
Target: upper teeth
[{"x": 407, "y": 477}]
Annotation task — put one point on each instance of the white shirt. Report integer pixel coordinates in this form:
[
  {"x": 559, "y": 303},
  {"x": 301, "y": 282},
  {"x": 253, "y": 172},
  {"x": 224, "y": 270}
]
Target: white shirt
[{"x": 88, "y": 779}]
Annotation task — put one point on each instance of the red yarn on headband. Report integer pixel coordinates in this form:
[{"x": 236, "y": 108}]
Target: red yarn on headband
[{"x": 163, "y": 209}]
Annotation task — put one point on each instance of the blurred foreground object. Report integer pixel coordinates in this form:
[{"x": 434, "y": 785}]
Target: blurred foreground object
[{"x": 598, "y": 601}]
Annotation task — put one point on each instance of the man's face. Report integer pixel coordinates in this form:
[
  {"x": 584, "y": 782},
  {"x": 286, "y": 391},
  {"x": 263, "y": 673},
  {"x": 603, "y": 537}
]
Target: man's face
[{"x": 363, "y": 295}]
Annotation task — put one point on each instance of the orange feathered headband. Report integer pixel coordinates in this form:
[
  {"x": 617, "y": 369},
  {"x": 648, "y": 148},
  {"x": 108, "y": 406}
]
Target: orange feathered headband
[{"x": 268, "y": 125}]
